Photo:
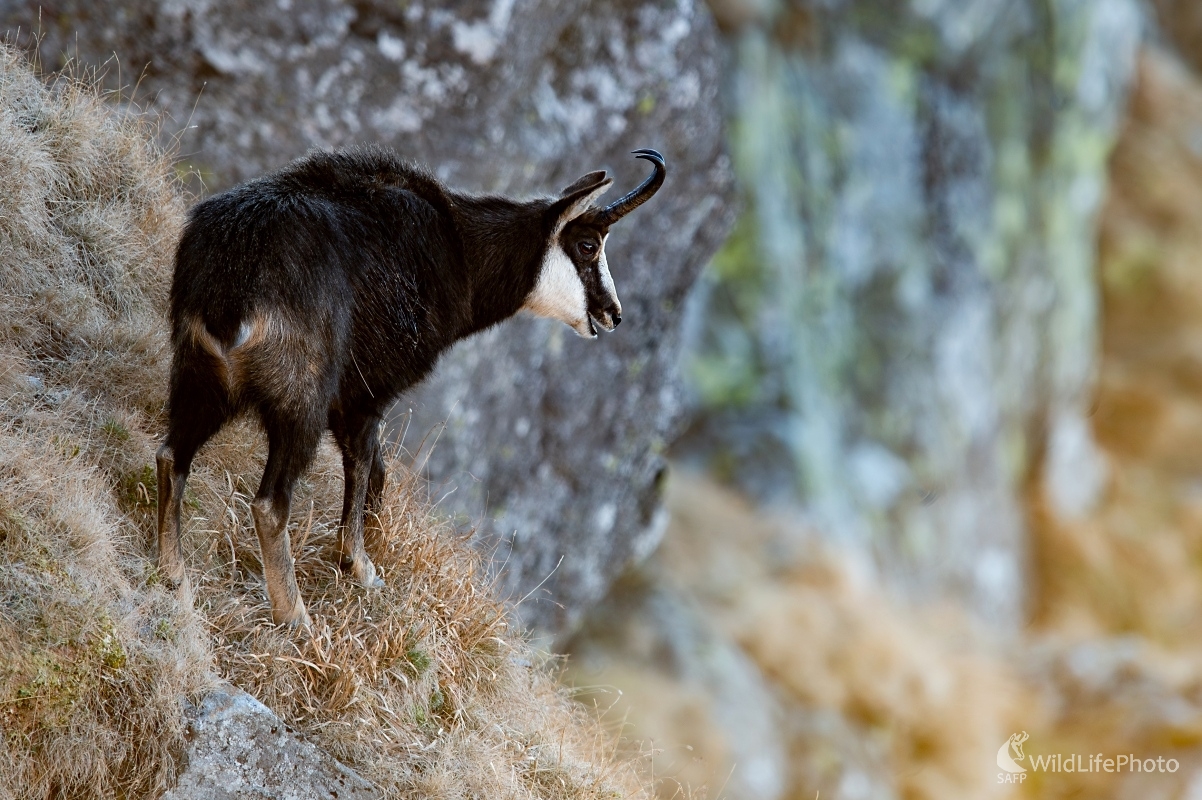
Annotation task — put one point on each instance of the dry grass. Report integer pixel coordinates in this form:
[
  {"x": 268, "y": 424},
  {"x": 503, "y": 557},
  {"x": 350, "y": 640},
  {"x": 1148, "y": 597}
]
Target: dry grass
[
  {"x": 1133, "y": 565},
  {"x": 918, "y": 698},
  {"x": 89, "y": 697},
  {"x": 421, "y": 686}
]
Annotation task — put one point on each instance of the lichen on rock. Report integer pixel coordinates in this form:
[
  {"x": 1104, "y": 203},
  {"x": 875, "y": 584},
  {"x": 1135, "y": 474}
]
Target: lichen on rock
[{"x": 923, "y": 183}]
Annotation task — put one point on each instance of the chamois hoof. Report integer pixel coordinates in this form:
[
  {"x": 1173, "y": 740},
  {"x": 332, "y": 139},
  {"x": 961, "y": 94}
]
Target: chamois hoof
[
  {"x": 363, "y": 572},
  {"x": 175, "y": 584},
  {"x": 298, "y": 617},
  {"x": 172, "y": 576}
]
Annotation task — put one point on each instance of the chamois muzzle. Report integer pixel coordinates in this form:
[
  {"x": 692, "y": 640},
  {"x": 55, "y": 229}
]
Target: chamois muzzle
[
  {"x": 629, "y": 202},
  {"x": 609, "y": 315}
]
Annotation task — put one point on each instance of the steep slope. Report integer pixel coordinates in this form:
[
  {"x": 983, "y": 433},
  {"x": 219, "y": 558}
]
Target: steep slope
[
  {"x": 422, "y": 687},
  {"x": 558, "y": 438}
]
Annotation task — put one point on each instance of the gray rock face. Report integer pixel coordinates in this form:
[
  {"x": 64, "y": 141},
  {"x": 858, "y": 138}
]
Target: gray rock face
[
  {"x": 239, "y": 750},
  {"x": 912, "y": 297},
  {"x": 553, "y": 440}
]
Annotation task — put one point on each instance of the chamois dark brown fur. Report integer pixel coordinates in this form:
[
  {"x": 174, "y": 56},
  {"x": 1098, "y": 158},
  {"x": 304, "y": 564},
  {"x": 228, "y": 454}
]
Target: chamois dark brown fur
[{"x": 314, "y": 295}]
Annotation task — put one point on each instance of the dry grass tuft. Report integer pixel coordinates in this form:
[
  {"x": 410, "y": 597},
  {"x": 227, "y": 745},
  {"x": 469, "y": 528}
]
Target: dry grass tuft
[
  {"x": 422, "y": 686},
  {"x": 89, "y": 701}
]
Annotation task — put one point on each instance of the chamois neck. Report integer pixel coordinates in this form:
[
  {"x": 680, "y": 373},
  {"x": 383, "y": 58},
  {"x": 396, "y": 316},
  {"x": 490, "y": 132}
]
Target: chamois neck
[{"x": 503, "y": 246}]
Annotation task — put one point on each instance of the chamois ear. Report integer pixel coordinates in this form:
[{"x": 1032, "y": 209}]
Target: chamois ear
[
  {"x": 586, "y": 182},
  {"x": 577, "y": 198}
]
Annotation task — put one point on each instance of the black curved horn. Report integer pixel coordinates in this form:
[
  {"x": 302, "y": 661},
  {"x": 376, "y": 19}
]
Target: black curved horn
[{"x": 629, "y": 202}]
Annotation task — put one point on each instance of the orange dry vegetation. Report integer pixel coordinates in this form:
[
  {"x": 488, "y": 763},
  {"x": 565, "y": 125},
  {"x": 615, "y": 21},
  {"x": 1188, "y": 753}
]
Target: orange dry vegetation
[
  {"x": 915, "y": 694},
  {"x": 1132, "y": 569},
  {"x": 1134, "y": 565}
]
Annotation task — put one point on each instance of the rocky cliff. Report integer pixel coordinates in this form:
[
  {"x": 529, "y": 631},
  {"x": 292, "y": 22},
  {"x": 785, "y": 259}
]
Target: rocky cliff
[{"x": 897, "y": 350}]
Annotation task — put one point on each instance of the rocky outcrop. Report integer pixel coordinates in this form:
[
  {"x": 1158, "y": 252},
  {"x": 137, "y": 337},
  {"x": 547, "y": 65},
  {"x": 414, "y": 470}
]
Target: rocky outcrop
[
  {"x": 553, "y": 443},
  {"x": 239, "y": 750}
]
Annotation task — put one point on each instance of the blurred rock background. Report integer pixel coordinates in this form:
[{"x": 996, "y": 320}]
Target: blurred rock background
[
  {"x": 908, "y": 333},
  {"x": 933, "y": 405},
  {"x": 939, "y": 483}
]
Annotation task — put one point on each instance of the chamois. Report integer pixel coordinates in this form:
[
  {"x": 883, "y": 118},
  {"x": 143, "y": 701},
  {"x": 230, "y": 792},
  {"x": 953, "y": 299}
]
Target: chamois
[{"x": 314, "y": 295}]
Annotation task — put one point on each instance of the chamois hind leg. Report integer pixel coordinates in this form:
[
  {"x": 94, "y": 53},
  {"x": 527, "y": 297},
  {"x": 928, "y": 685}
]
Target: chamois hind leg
[
  {"x": 291, "y": 447},
  {"x": 358, "y": 438},
  {"x": 194, "y": 416}
]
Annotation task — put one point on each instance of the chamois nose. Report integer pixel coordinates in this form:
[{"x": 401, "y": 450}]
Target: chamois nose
[{"x": 608, "y": 315}]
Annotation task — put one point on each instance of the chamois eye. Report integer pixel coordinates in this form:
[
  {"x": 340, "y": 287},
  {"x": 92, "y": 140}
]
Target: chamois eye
[{"x": 587, "y": 248}]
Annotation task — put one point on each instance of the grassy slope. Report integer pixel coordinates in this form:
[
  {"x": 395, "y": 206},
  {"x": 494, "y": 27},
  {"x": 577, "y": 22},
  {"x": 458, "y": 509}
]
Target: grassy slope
[{"x": 421, "y": 686}]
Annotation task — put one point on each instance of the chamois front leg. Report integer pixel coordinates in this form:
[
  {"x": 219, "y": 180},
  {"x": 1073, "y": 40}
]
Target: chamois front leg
[{"x": 360, "y": 453}]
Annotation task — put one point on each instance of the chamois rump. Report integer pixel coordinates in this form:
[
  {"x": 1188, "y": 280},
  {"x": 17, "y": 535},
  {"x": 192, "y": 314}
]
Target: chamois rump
[{"x": 314, "y": 295}]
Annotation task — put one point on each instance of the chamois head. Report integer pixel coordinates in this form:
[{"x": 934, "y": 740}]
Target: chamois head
[{"x": 574, "y": 285}]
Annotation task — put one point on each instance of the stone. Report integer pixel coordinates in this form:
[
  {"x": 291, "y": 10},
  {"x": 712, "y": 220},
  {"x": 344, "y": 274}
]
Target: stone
[{"x": 239, "y": 750}]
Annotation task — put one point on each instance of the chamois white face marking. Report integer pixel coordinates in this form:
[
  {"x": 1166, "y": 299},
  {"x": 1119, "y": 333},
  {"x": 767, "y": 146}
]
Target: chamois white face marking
[
  {"x": 607, "y": 285},
  {"x": 559, "y": 292}
]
